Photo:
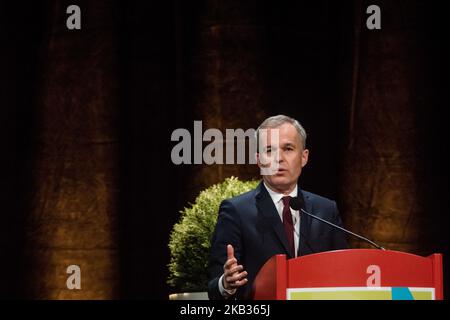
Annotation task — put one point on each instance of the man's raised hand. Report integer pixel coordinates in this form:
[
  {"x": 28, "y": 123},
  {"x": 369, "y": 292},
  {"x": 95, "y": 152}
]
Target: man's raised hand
[{"x": 234, "y": 275}]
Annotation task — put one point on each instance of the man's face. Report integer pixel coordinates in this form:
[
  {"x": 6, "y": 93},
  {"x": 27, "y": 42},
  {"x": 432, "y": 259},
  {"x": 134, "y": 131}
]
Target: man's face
[{"x": 287, "y": 156}]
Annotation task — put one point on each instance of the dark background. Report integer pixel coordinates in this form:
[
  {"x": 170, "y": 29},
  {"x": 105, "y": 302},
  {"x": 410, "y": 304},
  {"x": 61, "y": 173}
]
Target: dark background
[{"x": 86, "y": 118}]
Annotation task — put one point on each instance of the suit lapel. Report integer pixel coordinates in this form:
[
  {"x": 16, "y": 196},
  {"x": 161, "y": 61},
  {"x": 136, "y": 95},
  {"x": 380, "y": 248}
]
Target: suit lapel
[{"x": 267, "y": 209}]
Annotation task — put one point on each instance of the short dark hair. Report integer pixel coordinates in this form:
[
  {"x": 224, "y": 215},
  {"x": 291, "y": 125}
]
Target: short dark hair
[{"x": 276, "y": 121}]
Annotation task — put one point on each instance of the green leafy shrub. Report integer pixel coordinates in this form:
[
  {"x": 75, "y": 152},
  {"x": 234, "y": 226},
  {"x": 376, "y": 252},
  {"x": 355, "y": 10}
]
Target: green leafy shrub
[{"x": 190, "y": 238}]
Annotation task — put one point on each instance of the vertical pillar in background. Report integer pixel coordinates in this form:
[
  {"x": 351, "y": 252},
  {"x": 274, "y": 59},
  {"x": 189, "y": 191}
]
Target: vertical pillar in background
[
  {"x": 74, "y": 210},
  {"x": 382, "y": 164},
  {"x": 227, "y": 79}
]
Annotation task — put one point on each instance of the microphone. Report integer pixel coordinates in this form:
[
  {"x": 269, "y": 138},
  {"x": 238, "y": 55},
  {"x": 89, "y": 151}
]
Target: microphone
[{"x": 297, "y": 203}]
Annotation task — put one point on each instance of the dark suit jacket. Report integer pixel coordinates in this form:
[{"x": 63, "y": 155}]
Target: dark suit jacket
[{"x": 251, "y": 223}]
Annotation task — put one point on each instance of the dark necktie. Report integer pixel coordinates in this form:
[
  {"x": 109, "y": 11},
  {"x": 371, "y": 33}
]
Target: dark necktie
[{"x": 288, "y": 224}]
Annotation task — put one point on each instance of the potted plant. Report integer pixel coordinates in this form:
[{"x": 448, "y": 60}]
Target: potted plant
[{"x": 190, "y": 238}]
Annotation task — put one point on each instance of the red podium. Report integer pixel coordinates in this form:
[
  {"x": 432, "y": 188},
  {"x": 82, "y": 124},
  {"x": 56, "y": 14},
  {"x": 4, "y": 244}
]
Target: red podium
[{"x": 351, "y": 274}]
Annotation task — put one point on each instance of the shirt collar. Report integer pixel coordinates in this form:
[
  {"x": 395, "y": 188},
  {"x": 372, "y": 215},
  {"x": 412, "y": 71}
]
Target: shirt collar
[{"x": 276, "y": 197}]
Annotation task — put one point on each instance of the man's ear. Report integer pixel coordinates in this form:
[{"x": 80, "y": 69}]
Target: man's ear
[
  {"x": 257, "y": 159},
  {"x": 305, "y": 155}
]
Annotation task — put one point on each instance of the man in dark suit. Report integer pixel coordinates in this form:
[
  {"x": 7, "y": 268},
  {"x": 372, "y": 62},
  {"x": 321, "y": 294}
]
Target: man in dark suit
[{"x": 256, "y": 225}]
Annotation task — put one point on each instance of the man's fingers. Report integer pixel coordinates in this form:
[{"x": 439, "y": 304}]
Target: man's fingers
[
  {"x": 241, "y": 282},
  {"x": 229, "y": 277},
  {"x": 236, "y": 277},
  {"x": 235, "y": 269},
  {"x": 230, "y": 263},
  {"x": 238, "y": 283},
  {"x": 230, "y": 252},
  {"x": 233, "y": 277}
]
